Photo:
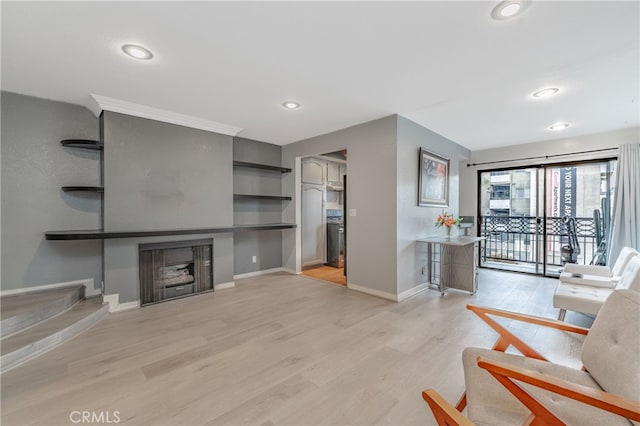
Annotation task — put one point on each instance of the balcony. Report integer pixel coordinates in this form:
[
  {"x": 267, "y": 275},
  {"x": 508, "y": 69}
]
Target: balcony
[{"x": 516, "y": 243}]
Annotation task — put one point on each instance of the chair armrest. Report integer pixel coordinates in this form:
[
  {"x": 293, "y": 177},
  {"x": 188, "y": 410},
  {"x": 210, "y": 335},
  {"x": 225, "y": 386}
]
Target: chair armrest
[
  {"x": 588, "y": 280},
  {"x": 574, "y": 268},
  {"x": 595, "y": 397},
  {"x": 445, "y": 413},
  {"x": 531, "y": 319},
  {"x": 506, "y": 338}
]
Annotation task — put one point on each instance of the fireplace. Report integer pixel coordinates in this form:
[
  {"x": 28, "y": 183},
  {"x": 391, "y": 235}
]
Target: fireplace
[{"x": 175, "y": 269}]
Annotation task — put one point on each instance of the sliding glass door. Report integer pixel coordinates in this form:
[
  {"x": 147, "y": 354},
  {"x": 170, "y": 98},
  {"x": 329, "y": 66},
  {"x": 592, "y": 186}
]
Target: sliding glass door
[
  {"x": 578, "y": 204},
  {"x": 524, "y": 215}
]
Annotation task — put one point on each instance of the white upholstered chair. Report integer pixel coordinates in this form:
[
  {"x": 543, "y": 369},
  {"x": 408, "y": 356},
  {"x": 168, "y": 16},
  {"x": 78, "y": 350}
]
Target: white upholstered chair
[
  {"x": 589, "y": 296},
  {"x": 509, "y": 389},
  {"x": 598, "y": 276}
]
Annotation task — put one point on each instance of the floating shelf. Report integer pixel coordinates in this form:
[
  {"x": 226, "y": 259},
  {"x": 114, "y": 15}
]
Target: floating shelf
[
  {"x": 83, "y": 189},
  {"x": 260, "y": 197},
  {"x": 261, "y": 166},
  {"x": 83, "y": 143},
  {"x": 104, "y": 235}
]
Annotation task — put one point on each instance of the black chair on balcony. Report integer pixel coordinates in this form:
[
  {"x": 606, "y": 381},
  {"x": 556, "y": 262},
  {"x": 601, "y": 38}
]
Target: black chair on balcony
[
  {"x": 600, "y": 223},
  {"x": 570, "y": 251}
]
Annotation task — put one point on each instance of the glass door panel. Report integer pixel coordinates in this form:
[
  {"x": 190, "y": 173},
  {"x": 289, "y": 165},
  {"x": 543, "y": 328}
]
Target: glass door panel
[
  {"x": 582, "y": 194},
  {"x": 509, "y": 219},
  {"x": 523, "y": 213}
]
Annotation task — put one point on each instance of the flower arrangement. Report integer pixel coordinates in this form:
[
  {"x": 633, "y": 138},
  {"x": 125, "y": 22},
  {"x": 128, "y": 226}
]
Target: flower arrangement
[{"x": 448, "y": 221}]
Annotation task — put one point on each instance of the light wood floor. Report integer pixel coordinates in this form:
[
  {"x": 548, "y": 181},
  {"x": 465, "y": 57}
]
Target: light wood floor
[
  {"x": 276, "y": 350},
  {"x": 327, "y": 273}
]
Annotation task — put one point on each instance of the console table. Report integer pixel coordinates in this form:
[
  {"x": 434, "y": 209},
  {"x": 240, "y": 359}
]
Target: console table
[{"x": 452, "y": 262}]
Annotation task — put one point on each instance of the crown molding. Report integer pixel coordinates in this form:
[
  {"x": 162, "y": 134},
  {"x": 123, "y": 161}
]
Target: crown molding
[{"x": 102, "y": 103}]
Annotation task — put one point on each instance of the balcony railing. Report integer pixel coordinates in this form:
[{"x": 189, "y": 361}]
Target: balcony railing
[{"x": 517, "y": 239}]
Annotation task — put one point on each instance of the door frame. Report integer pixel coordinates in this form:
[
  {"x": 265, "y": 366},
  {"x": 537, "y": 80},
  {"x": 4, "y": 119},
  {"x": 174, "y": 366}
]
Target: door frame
[{"x": 542, "y": 192}]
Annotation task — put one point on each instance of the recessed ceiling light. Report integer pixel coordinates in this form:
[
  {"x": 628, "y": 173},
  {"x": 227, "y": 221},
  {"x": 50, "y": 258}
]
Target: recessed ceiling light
[
  {"x": 508, "y": 9},
  {"x": 291, "y": 105},
  {"x": 545, "y": 93},
  {"x": 558, "y": 127},
  {"x": 137, "y": 51}
]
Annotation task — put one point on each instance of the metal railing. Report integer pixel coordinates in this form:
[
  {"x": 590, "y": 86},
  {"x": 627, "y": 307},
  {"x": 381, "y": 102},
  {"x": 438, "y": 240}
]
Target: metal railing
[{"x": 517, "y": 239}]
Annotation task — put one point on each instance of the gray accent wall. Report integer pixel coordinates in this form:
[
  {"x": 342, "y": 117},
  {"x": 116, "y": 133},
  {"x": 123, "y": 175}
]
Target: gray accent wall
[
  {"x": 34, "y": 167},
  {"x": 265, "y": 245},
  {"x": 163, "y": 176},
  {"x": 416, "y": 222},
  {"x": 372, "y": 175}
]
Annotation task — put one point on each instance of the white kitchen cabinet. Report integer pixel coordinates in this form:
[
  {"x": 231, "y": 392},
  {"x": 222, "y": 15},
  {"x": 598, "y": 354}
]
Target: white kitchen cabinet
[
  {"x": 333, "y": 173},
  {"x": 313, "y": 171},
  {"x": 313, "y": 225}
]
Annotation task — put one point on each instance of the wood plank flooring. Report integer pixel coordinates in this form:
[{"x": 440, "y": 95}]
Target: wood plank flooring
[
  {"x": 276, "y": 350},
  {"x": 327, "y": 273}
]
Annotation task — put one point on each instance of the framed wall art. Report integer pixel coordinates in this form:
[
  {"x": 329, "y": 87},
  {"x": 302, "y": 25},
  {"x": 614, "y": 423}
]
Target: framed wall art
[{"x": 433, "y": 180}]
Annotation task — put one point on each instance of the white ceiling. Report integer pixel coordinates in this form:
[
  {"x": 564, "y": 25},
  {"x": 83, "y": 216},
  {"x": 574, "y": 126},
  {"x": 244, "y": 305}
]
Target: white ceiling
[{"x": 446, "y": 65}]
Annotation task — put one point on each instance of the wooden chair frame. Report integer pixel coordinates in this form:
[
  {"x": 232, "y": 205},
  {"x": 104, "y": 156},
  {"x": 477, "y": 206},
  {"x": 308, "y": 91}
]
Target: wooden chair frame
[
  {"x": 506, "y": 338},
  {"x": 447, "y": 415}
]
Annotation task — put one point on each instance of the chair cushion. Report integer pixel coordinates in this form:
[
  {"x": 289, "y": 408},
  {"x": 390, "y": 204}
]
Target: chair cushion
[
  {"x": 626, "y": 254},
  {"x": 611, "y": 349},
  {"x": 488, "y": 402},
  {"x": 630, "y": 278},
  {"x": 580, "y": 298}
]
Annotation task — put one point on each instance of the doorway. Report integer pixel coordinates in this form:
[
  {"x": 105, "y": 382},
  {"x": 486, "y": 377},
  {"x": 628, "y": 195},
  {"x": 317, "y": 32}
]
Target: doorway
[
  {"x": 323, "y": 224},
  {"x": 527, "y": 215}
]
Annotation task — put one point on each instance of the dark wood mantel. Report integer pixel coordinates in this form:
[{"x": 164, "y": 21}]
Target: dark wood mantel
[{"x": 104, "y": 235}]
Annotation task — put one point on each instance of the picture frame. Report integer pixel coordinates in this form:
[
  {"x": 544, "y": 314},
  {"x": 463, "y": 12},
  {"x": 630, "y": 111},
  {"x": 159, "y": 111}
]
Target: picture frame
[{"x": 433, "y": 180}]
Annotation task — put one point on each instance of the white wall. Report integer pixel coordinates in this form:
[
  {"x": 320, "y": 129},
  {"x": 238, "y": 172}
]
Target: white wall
[
  {"x": 415, "y": 222},
  {"x": 469, "y": 175}
]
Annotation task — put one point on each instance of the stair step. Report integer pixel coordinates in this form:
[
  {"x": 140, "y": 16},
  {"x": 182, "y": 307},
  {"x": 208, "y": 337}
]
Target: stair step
[
  {"x": 43, "y": 337},
  {"x": 23, "y": 310}
]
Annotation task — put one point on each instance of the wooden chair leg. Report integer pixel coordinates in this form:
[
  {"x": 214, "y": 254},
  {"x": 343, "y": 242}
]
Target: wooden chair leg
[{"x": 444, "y": 413}]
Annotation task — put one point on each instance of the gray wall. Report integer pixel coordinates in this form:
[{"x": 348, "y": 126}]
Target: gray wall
[
  {"x": 469, "y": 175},
  {"x": 371, "y": 235},
  {"x": 163, "y": 176},
  {"x": 416, "y": 222},
  {"x": 34, "y": 167},
  {"x": 265, "y": 245}
]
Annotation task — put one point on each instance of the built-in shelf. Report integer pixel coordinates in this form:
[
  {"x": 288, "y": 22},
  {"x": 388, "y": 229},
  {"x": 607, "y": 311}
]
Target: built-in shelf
[
  {"x": 83, "y": 143},
  {"x": 261, "y": 166},
  {"x": 104, "y": 235},
  {"x": 97, "y": 189},
  {"x": 261, "y": 197}
]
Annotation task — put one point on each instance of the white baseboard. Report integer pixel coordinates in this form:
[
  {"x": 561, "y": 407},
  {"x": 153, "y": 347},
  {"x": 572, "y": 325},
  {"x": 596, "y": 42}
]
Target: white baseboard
[
  {"x": 92, "y": 292},
  {"x": 222, "y": 286},
  {"x": 372, "y": 292},
  {"x": 87, "y": 282},
  {"x": 412, "y": 291},
  {"x": 291, "y": 271},
  {"x": 114, "y": 303},
  {"x": 256, "y": 273}
]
